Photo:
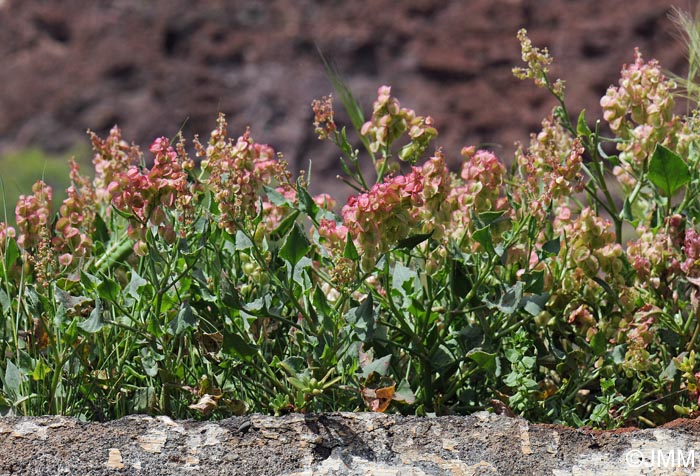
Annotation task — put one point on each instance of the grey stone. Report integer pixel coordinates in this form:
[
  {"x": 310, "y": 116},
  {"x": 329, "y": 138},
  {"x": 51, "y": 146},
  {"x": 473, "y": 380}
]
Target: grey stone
[{"x": 341, "y": 444}]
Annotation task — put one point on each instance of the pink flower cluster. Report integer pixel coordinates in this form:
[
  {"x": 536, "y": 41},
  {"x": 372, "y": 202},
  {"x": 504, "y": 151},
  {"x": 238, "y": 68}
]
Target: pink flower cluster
[
  {"x": 386, "y": 214},
  {"x": 113, "y": 156},
  {"x": 436, "y": 212},
  {"x": 237, "y": 173},
  {"x": 584, "y": 321},
  {"x": 642, "y": 97},
  {"x": 5, "y": 233},
  {"x": 32, "y": 214},
  {"x": 76, "y": 222},
  {"x": 324, "y": 117},
  {"x": 477, "y": 190},
  {"x": 638, "y": 335},
  {"x": 588, "y": 249},
  {"x": 654, "y": 258},
  {"x": 538, "y": 64},
  {"x": 551, "y": 168},
  {"x": 325, "y": 201},
  {"x": 274, "y": 214},
  {"x": 483, "y": 174},
  {"x": 147, "y": 194},
  {"x": 393, "y": 210},
  {"x": 389, "y": 121},
  {"x": 334, "y": 235},
  {"x": 640, "y": 111},
  {"x": 691, "y": 249}
]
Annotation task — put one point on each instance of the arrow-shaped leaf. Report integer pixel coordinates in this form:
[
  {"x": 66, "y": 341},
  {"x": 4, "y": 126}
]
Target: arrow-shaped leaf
[
  {"x": 667, "y": 170},
  {"x": 94, "y": 323},
  {"x": 295, "y": 246}
]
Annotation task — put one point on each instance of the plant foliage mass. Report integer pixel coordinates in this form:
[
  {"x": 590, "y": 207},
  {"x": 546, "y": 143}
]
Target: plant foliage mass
[{"x": 213, "y": 284}]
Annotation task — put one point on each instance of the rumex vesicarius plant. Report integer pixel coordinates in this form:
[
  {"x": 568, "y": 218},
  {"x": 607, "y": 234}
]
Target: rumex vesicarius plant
[{"x": 214, "y": 284}]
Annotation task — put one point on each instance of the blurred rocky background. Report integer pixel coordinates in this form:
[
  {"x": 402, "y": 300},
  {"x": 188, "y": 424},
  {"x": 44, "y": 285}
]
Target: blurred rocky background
[{"x": 157, "y": 66}]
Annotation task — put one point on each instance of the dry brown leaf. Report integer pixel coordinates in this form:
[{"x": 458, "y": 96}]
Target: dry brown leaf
[
  {"x": 378, "y": 399},
  {"x": 206, "y": 404}
]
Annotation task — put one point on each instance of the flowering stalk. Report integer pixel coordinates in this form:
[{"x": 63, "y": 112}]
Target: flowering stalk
[{"x": 538, "y": 65}]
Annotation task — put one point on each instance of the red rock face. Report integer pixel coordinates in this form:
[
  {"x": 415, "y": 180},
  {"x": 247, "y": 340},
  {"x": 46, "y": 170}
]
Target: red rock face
[{"x": 157, "y": 66}]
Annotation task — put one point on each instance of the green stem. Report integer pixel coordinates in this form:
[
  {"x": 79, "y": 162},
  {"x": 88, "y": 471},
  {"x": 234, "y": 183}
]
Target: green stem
[
  {"x": 259, "y": 258},
  {"x": 115, "y": 253},
  {"x": 583, "y": 384},
  {"x": 691, "y": 342}
]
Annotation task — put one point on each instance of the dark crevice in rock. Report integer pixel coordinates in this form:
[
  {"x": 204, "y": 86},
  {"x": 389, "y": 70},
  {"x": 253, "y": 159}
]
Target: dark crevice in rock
[{"x": 57, "y": 29}]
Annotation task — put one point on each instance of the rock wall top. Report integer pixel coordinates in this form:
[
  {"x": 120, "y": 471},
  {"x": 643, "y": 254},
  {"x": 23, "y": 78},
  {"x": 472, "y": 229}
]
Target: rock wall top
[{"x": 341, "y": 444}]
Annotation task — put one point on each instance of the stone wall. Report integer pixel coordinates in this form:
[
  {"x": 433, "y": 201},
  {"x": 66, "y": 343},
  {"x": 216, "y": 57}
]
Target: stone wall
[{"x": 341, "y": 444}]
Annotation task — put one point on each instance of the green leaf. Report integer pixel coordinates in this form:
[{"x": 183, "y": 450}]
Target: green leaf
[
  {"x": 298, "y": 384},
  {"x": 295, "y": 246},
  {"x": 94, "y": 323},
  {"x": 627, "y": 210},
  {"x": 286, "y": 224},
  {"x": 255, "y": 306},
  {"x": 607, "y": 384},
  {"x": 350, "y": 251},
  {"x": 320, "y": 303},
  {"x": 404, "y": 394},
  {"x": 460, "y": 280},
  {"x": 11, "y": 252},
  {"x": 13, "y": 379},
  {"x": 67, "y": 300},
  {"x": 552, "y": 247},
  {"x": 471, "y": 336},
  {"x": 149, "y": 362},
  {"x": 362, "y": 319},
  {"x": 292, "y": 365},
  {"x": 306, "y": 203},
  {"x": 528, "y": 361},
  {"x": 491, "y": 217},
  {"x": 510, "y": 300},
  {"x": 242, "y": 241},
  {"x": 352, "y": 106},
  {"x": 536, "y": 303},
  {"x": 534, "y": 281},
  {"x": 298, "y": 275},
  {"x": 101, "y": 234},
  {"x": 483, "y": 237},
  {"x": 694, "y": 152},
  {"x": 235, "y": 346},
  {"x": 4, "y": 301},
  {"x": 275, "y": 197},
  {"x": 669, "y": 372},
  {"x": 145, "y": 399},
  {"x": 380, "y": 366},
  {"x": 667, "y": 170},
  {"x": 59, "y": 317},
  {"x": 598, "y": 343},
  {"x": 40, "y": 371},
  {"x": 122, "y": 213},
  {"x": 405, "y": 280},
  {"x": 582, "y": 128},
  {"x": 618, "y": 353},
  {"x": 184, "y": 320},
  {"x": 485, "y": 361},
  {"x": 108, "y": 289},
  {"x": 32, "y": 300},
  {"x": 136, "y": 283},
  {"x": 88, "y": 280},
  {"x": 512, "y": 355},
  {"x": 412, "y": 241},
  {"x": 442, "y": 359}
]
